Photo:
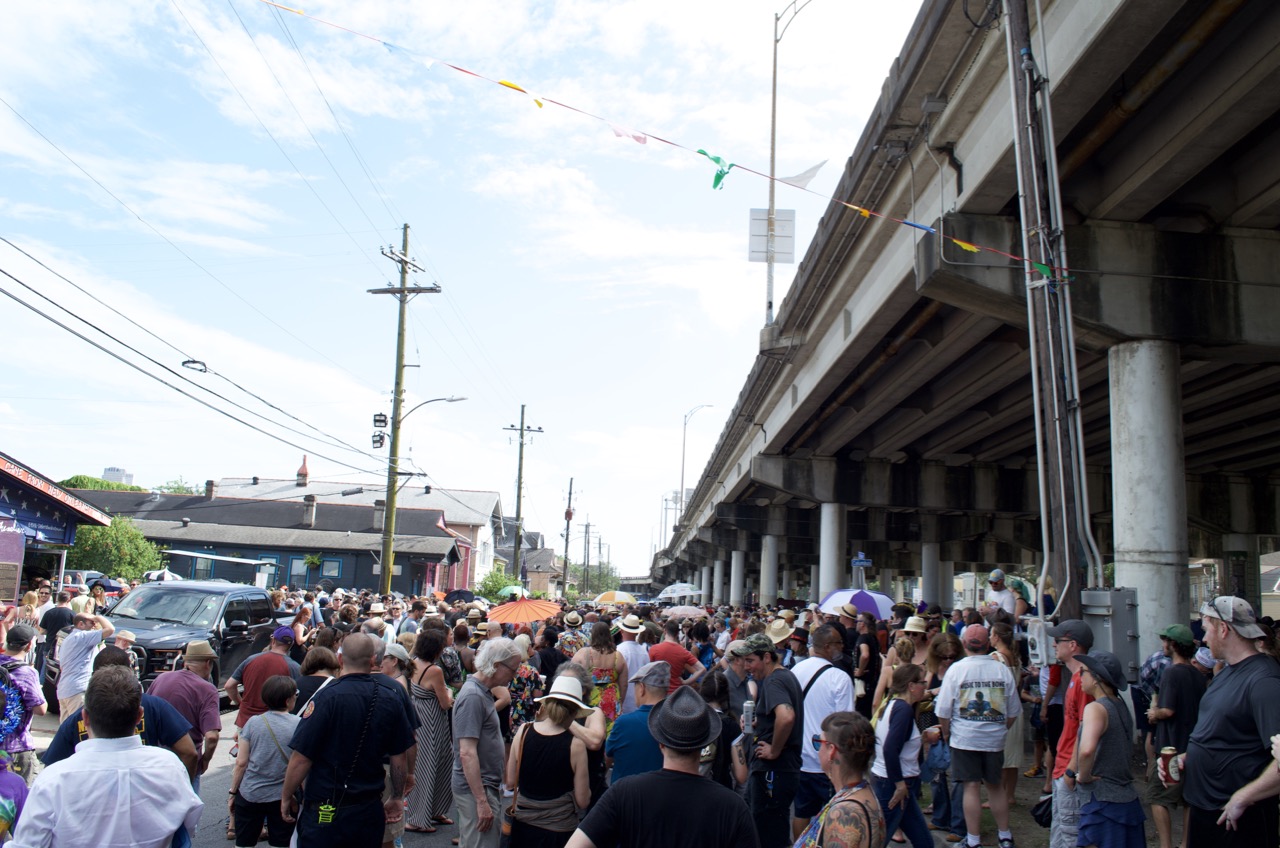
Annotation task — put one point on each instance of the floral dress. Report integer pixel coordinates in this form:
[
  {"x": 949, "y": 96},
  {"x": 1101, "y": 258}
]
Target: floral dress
[
  {"x": 524, "y": 688},
  {"x": 605, "y": 694},
  {"x": 451, "y": 664}
]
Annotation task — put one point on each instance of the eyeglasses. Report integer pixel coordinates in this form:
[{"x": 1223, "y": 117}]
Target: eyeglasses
[
  {"x": 818, "y": 742},
  {"x": 43, "y": 592}
]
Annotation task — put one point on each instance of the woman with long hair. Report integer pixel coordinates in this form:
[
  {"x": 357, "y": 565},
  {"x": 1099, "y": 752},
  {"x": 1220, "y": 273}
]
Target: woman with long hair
[
  {"x": 896, "y": 770},
  {"x": 432, "y": 793},
  {"x": 728, "y": 763},
  {"x": 852, "y": 818},
  {"x": 319, "y": 668},
  {"x": 98, "y": 600},
  {"x": 466, "y": 654},
  {"x": 1006, "y": 652},
  {"x": 944, "y": 650},
  {"x": 525, "y": 687},
  {"x": 608, "y": 672},
  {"x": 301, "y": 626}
]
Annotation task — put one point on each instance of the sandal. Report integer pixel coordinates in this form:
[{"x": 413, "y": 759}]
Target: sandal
[
  {"x": 445, "y": 820},
  {"x": 412, "y": 829}
]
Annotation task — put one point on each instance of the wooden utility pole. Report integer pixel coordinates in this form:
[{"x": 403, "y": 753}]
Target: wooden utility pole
[
  {"x": 1070, "y": 552},
  {"x": 402, "y": 293},
  {"x": 568, "y": 518},
  {"x": 522, "y": 429}
]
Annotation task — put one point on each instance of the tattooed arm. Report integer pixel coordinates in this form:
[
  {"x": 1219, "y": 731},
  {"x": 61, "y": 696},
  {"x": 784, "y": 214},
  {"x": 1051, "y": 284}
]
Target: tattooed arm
[{"x": 847, "y": 825}]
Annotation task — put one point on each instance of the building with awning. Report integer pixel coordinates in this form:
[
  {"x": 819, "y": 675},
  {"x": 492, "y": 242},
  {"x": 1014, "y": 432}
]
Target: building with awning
[{"x": 38, "y": 521}]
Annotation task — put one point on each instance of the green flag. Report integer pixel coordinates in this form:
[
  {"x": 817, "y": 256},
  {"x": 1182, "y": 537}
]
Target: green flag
[{"x": 722, "y": 169}]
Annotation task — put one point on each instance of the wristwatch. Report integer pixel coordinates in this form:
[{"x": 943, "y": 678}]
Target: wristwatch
[{"x": 1069, "y": 773}]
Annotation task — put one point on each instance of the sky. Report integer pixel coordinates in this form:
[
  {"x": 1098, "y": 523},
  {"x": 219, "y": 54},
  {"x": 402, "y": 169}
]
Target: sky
[{"x": 215, "y": 181}]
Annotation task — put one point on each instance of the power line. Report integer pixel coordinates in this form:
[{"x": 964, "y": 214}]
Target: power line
[
  {"x": 174, "y": 245},
  {"x": 159, "y": 379}
]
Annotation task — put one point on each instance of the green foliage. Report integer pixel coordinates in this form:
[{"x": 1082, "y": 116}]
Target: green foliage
[
  {"x": 312, "y": 560},
  {"x": 84, "y": 481},
  {"x": 600, "y": 579},
  {"x": 119, "y": 550},
  {"x": 176, "y": 487},
  {"x": 494, "y": 582}
]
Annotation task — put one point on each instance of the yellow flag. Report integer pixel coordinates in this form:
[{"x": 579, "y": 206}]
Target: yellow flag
[{"x": 964, "y": 245}]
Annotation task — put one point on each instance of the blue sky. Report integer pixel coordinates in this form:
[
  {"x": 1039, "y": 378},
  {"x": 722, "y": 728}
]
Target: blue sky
[{"x": 237, "y": 167}]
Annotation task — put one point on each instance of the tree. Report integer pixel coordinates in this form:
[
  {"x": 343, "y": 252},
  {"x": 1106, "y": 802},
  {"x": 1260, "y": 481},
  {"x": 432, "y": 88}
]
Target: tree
[
  {"x": 176, "y": 487},
  {"x": 118, "y": 549},
  {"x": 84, "y": 481},
  {"x": 493, "y": 583}
]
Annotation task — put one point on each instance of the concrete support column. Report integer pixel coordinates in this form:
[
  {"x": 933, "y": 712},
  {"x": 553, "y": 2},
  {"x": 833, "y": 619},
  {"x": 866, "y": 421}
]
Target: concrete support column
[
  {"x": 717, "y": 582},
  {"x": 888, "y": 582},
  {"x": 831, "y": 547},
  {"x": 946, "y": 585},
  {"x": 815, "y": 587},
  {"x": 769, "y": 570},
  {"x": 1241, "y": 568},
  {"x": 930, "y": 574},
  {"x": 737, "y": 577},
  {"x": 1148, "y": 484},
  {"x": 789, "y": 583},
  {"x": 706, "y": 585}
]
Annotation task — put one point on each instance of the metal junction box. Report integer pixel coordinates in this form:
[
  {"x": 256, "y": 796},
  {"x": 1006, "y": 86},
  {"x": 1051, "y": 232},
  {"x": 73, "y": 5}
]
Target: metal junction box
[{"x": 1113, "y": 616}]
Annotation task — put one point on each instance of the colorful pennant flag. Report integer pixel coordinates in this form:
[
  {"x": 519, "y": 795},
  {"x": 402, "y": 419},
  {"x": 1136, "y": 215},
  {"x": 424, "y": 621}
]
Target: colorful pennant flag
[
  {"x": 1043, "y": 269},
  {"x": 510, "y": 84},
  {"x": 964, "y": 245},
  {"x": 722, "y": 169},
  {"x": 637, "y": 137}
]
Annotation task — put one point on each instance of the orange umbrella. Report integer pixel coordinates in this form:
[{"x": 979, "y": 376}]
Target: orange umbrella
[
  {"x": 439, "y": 596},
  {"x": 523, "y": 611}
]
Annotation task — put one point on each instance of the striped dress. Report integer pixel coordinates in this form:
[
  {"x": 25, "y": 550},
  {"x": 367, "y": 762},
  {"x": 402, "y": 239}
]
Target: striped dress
[{"x": 432, "y": 793}]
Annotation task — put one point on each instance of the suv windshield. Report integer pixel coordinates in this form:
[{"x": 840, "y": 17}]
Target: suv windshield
[{"x": 184, "y": 606}]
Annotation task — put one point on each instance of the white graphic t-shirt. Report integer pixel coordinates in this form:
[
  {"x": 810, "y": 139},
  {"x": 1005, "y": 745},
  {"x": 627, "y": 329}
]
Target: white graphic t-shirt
[{"x": 978, "y": 695}]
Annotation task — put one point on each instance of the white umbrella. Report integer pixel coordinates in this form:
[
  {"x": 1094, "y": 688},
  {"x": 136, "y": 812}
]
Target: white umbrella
[
  {"x": 161, "y": 574},
  {"x": 677, "y": 590},
  {"x": 877, "y": 603}
]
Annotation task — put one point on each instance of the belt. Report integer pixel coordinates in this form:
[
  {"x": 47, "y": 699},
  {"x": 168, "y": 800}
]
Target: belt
[{"x": 349, "y": 799}]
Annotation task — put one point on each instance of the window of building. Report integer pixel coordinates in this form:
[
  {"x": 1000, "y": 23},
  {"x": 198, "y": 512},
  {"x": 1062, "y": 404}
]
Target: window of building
[
  {"x": 203, "y": 569},
  {"x": 331, "y": 568},
  {"x": 297, "y": 571},
  {"x": 396, "y": 570}
]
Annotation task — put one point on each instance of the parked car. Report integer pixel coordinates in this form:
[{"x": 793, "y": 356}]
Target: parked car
[{"x": 237, "y": 620}]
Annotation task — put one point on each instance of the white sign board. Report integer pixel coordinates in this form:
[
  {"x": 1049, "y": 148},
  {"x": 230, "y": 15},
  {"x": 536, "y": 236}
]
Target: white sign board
[{"x": 784, "y": 236}]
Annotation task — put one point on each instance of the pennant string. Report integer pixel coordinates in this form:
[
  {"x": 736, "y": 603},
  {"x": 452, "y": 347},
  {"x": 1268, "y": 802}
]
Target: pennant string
[{"x": 723, "y": 167}]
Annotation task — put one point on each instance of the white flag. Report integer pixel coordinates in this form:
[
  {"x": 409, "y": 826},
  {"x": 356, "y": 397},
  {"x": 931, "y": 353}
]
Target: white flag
[{"x": 803, "y": 180}]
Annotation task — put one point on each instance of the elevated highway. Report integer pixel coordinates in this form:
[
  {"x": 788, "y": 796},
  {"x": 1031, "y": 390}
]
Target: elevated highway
[{"x": 890, "y": 407}]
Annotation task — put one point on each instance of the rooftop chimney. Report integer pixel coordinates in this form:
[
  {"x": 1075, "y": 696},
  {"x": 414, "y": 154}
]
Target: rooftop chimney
[
  {"x": 308, "y": 508},
  {"x": 379, "y": 515},
  {"x": 302, "y": 473},
  {"x": 186, "y": 522},
  {"x": 255, "y": 481},
  {"x": 210, "y": 490}
]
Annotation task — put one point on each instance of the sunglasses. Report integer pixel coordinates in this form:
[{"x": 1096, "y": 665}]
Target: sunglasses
[{"x": 818, "y": 742}]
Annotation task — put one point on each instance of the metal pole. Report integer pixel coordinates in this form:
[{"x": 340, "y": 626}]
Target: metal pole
[
  {"x": 568, "y": 517},
  {"x": 515, "y": 560},
  {"x": 773, "y": 152},
  {"x": 586, "y": 559},
  {"x": 393, "y": 462}
]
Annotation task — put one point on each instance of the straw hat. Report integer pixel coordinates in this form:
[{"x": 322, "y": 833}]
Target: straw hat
[
  {"x": 631, "y": 624},
  {"x": 568, "y": 689},
  {"x": 779, "y": 631}
]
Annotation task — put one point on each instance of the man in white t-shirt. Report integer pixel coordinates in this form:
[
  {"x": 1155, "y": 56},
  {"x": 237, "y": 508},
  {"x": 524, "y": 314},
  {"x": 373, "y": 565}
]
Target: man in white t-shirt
[
  {"x": 976, "y": 706},
  {"x": 826, "y": 690},
  {"x": 999, "y": 596},
  {"x": 636, "y": 655}
]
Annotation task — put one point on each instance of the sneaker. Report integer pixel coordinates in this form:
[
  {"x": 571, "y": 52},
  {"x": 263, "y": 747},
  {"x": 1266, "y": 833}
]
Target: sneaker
[
  {"x": 953, "y": 838},
  {"x": 1007, "y": 843},
  {"x": 1034, "y": 772}
]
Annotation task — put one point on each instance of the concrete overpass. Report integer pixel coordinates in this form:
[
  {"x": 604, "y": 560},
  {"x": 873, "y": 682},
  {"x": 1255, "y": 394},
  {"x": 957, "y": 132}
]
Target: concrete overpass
[{"x": 890, "y": 410}]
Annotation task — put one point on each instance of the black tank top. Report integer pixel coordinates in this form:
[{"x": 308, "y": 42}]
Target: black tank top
[{"x": 546, "y": 770}]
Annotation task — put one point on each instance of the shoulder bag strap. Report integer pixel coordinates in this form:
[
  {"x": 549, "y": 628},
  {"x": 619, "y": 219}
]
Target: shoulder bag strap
[
  {"x": 274, "y": 739},
  {"x": 327, "y": 681},
  {"x": 525, "y": 730},
  {"x": 813, "y": 680}
]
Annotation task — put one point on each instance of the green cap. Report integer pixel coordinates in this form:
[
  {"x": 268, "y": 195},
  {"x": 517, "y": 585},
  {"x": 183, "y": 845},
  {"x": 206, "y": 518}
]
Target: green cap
[
  {"x": 1179, "y": 633},
  {"x": 756, "y": 643}
]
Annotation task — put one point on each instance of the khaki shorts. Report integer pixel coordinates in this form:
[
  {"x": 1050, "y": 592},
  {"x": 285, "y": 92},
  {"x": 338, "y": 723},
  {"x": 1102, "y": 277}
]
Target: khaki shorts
[{"x": 1158, "y": 793}]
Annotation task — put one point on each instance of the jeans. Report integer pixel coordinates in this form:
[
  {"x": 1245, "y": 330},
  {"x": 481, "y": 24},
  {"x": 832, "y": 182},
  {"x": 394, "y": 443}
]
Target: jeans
[
  {"x": 941, "y": 800},
  {"x": 771, "y": 809},
  {"x": 906, "y": 815},
  {"x": 958, "y": 826}
]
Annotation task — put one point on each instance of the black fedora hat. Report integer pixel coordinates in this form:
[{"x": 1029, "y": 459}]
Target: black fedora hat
[{"x": 684, "y": 721}]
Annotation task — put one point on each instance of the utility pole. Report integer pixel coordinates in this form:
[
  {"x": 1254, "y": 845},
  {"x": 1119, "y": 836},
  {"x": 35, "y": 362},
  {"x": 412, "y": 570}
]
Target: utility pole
[
  {"x": 402, "y": 293},
  {"x": 568, "y": 517},
  {"x": 1070, "y": 552},
  {"x": 586, "y": 558},
  {"x": 600, "y": 562},
  {"x": 515, "y": 560}
]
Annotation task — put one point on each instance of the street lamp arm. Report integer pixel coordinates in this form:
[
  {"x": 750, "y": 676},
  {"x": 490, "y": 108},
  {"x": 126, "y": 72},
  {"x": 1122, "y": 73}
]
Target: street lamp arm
[
  {"x": 450, "y": 399},
  {"x": 795, "y": 7}
]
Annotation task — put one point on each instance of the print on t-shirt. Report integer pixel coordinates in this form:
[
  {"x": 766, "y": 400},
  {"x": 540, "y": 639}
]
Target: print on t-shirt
[{"x": 982, "y": 700}]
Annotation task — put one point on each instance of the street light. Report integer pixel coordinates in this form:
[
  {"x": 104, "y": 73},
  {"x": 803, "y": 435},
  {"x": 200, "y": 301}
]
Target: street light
[
  {"x": 685, "y": 432},
  {"x": 795, "y": 7},
  {"x": 393, "y": 487}
]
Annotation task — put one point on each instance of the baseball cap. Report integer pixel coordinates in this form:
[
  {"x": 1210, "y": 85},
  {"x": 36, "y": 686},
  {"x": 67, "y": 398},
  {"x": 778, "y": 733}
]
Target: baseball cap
[
  {"x": 756, "y": 643},
  {"x": 20, "y": 635},
  {"x": 656, "y": 674},
  {"x": 1205, "y": 657},
  {"x": 1073, "y": 628},
  {"x": 1234, "y": 611},
  {"x": 995, "y": 576},
  {"x": 1179, "y": 633},
  {"x": 282, "y": 634},
  {"x": 975, "y": 636}
]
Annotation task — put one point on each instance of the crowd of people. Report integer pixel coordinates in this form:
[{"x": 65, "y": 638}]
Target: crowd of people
[{"x": 370, "y": 716}]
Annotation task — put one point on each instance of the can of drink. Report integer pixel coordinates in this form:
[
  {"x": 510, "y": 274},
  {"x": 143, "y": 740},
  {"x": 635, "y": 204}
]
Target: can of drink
[
  {"x": 1169, "y": 756},
  {"x": 748, "y": 717}
]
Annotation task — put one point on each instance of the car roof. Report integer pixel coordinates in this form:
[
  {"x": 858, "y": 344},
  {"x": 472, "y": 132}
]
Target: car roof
[{"x": 204, "y": 585}]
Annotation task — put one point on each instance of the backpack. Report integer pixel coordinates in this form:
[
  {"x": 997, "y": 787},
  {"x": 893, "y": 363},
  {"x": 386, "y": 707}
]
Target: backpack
[{"x": 14, "y": 716}]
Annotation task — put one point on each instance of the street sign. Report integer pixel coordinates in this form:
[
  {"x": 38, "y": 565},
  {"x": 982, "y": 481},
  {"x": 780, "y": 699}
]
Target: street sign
[
  {"x": 784, "y": 236},
  {"x": 860, "y": 563}
]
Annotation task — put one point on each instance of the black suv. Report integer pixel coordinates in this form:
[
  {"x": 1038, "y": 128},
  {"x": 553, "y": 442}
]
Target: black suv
[{"x": 237, "y": 620}]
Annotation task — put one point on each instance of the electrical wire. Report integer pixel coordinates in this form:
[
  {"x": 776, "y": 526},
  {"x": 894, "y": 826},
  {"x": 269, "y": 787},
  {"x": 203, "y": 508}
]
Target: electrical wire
[
  {"x": 156, "y": 377},
  {"x": 331, "y": 439},
  {"x": 174, "y": 245}
]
